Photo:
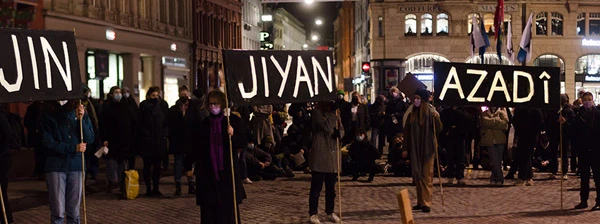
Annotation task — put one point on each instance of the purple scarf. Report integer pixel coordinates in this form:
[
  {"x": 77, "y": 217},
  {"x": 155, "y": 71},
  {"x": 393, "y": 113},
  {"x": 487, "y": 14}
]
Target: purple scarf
[{"x": 216, "y": 144}]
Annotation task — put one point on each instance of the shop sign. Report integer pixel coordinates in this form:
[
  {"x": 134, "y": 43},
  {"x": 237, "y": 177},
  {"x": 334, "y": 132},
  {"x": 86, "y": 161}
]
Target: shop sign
[
  {"x": 460, "y": 84},
  {"x": 492, "y": 8},
  {"x": 590, "y": 43},
  {"x": 419, "y": 8},
  {"x": 591, "y": 78}
]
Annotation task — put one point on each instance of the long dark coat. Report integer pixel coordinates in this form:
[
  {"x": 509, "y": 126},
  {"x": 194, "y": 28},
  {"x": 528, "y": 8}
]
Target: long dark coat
[
  {"x": 211, "y": 192},
  {"x": 153, "y": 129},
  {"x": 119, "y": 129}
]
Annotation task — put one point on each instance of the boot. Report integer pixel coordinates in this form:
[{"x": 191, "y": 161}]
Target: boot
[
  {"x": 148, "y": 191},
  {"x": 191, "y": 187},
  {"x": 177, "y": 188}
]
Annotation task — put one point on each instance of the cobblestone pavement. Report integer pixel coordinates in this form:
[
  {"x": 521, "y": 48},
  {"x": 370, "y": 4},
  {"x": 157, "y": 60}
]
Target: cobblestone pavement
[{"x": 286, "y": 201}]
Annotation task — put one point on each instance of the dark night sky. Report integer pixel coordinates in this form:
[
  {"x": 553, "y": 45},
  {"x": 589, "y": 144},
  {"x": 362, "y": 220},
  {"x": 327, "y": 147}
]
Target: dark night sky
[{"x": 327, "y": 11}]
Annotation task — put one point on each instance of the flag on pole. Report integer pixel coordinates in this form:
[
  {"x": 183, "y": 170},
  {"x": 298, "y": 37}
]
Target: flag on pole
[
  {"x": 477, "y": 39},
  {"x": 525, "y": 45},
  {"x": 486, "y": 41},
  {"x": 498, "y": 23},
  {"x": 509, "y": 47}
]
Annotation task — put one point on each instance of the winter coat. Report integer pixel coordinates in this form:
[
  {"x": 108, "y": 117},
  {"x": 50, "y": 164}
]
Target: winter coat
[
  {"x": 455, "y": 127},
  {"x": 493, "y": 127},
  {"x": 420, "y": 139},
  {"x": 528, "y": 124},
  {"x": 119, "y": 129},
  {"x": 587, "y": 128},
  {"x": 363, "y": 152},
  {"x": 255, "y": 156},
  {"x": 377, "y": 115},
  {"x": 324, "y": 152},
  {"x": 261, "y": 124},
  {"x": 153, "y": 129},
  {"x": 395, "y": 108},
  {"x": 60, "y": 136},
  {"x": 178, "y": 142},
  {"x": 362, "y": 118},
  {"x": 7, "y": 135},
  {"x": 211, "y": 192}
]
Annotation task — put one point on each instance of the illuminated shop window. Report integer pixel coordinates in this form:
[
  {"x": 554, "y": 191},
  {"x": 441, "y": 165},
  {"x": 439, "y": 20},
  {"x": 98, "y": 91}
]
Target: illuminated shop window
[
  {"x": 442, "y": 24},
  {"x": 541, "y": 24},
  {"x": 557, "y": 24},
  {"x": 426, "y": 25},
  {"x": 489, "y": 59},
  {"x": 410, "y": 25}
]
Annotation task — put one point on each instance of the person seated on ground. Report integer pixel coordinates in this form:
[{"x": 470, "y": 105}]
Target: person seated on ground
[
  {"x": 292, "y": 147},
  {"x": 399, "y": 158},
  {"x": 364, "y": 154},
  {"x": 258, "y": 163},
  {"x": 279, "y": 160},
  {"x": 542, "y": 156}
]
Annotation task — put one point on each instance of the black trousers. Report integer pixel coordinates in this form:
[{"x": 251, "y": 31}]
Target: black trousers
[
  {"x": 218, "y": 214},
  {"x": 366, "y": 166},
  {"x": 524, "y": 156},
  {"x": 587, "y": 161},
  {"x": 152, "y": 172},
  {"x": 316, "y": 184},
  {"x": 455, "y": 154},
  {"x": 5, "y": 163}
]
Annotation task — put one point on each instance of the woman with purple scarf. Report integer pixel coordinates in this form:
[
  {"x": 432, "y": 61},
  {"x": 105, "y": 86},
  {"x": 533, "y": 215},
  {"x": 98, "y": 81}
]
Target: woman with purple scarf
[{"x": 212, "y": 154}]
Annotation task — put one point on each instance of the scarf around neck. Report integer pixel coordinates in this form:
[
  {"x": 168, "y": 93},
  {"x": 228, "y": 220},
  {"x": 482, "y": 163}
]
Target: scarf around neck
[{"x": 216, "y": 144}]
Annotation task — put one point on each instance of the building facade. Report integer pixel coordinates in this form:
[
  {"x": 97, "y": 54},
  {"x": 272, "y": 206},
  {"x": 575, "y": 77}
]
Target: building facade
[
  {"x": 252, "y": 26},
  {"x": 130, "y": 43},
  {"x": 408, "y": 36},
  {"x": 361, "y": 79},
  {"x": 288, "y": 32},
  {"x": 344, "y": 37},
  {"x": 217, "y": 26}
]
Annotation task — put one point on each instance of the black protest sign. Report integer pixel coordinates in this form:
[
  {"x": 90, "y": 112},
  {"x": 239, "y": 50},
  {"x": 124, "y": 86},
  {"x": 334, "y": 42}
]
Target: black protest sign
[
  {"x": 38, "y": 65},
  {"x": 459, "y": 84},
  {"x": 275, "y": 77}
]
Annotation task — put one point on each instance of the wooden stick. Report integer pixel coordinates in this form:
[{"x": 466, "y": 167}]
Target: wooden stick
[
  {"x": 339, "y": 155},
  {"x": 3, "y": 209},
  {"x": 82, "y": 168},
  {"x": 437, "y": 157},
  {"x": 235, "y": 207},
  {"x": 561, "y": 161}
]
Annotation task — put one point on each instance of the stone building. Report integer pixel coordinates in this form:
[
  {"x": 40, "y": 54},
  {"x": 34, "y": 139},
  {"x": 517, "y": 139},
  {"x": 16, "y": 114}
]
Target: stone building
[{"x": 408, "y": 36}]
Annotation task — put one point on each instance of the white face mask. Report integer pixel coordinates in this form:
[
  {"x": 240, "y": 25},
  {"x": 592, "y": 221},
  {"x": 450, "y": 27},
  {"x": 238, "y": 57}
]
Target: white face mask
[
  {"x": 126, "y": 95},
  {"x": 360, "y": 138},
  {"x": 62, "y": 102}
]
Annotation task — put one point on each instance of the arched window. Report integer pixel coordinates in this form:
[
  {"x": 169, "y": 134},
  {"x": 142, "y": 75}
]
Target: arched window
[
  {"x": 410, "y": 25},
  {"x": 442, "y": 24},
  {"x": 588, "y": 65},
  {"x": 581, "y": 24},
  {"x": 541, "y": 24},
  {"x": 470, "y": 22},
  {"x": 422, "y": 67},
  {"x": 489, "y": 59},
  {"x": 426, "y": 25},
  {"x": 557, "y": 23},
  {"x": 550, "y": 60},
  {"x": 488, "y": 23},
  {"x": 594, "y": 28}
]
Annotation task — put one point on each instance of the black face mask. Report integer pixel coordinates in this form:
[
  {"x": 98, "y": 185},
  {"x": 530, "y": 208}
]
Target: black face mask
[
  {"x": 183, "y": 99},
  {"x": 155, "y": 100},
  {"x": 354, "y": 100}
]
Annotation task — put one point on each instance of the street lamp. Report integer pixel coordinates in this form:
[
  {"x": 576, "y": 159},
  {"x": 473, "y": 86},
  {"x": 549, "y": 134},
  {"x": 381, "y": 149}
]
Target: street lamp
[
  {"x": 319, "y": 22},
  {"x": 314, "y": 37},
  {"x": 266, "y": 18},
  {"x": 308, "y": 1},
  {"x": 305, "y": 46}
]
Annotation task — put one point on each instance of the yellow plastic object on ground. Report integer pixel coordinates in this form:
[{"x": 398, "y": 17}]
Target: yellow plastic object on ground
[{"x": 132, "y": 186}]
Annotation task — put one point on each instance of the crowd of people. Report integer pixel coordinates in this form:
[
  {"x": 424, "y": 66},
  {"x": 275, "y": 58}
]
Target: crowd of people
[{"x": 199, "y": 130}]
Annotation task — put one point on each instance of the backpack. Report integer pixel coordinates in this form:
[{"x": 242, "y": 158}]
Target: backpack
[{"x": 18, "y": 130}]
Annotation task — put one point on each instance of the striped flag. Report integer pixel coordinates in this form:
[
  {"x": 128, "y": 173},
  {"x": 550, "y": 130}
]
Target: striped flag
[
  {"x": 525, "y": 45},
  {"x": 509, "y": 47},
  {"x": 477, "y": 37}
]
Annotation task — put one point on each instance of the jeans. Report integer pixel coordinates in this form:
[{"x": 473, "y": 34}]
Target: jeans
[
  {"x": 178, "y": 169},
  {"x": 316, "y": 185},
  {"x": 152, "y": 172},
  {"x": 64, "y": 189},
  {"x": 496, "y": 152}
]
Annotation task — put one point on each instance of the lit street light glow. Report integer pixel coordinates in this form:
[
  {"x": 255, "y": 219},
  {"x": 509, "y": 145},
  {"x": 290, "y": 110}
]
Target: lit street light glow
[
  {"x": 266, "y": 18},
  {"x": 314, "y": 37},
  {"x": 319, "y": 22},
  {"x": 308, "y": 1},
  {"x": 305, "y": 46}
]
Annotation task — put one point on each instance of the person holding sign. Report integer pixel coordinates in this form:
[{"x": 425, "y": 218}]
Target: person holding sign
[
  {"x": 60, "y": 130},
  {"x": 216, "y": 140},
  {"x": 327, "y": 129},
  {"x": 421, "y": 124}
]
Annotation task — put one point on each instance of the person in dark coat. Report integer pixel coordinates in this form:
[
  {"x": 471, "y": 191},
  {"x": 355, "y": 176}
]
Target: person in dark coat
[
  {"x": 61, "y": 131},
  {"x": 394, "y": 111},
  {"x": 93, "y": 109},
  {"x": 178, "y": 141},
  {"x": 377, "y": 116},
  {"x": 7, "y": 140},
  {"x": 212, "y": 155},
  {"x": 552, "y": 121},
  {"x": 259, "y": 163},
  {"x": 529, "y": 124},
  {"x": 153, "y": 139},
  {"x": 31, "y": 121},
  {"x": 364, "y": 154},
  {"x": 118, "y": 134},
  {"x": 359, "y": 118},
  {"x": 133, "y": 106},
  {"x": 587, "y": 129},
  {"x": 399, "y": 157},
  {"x": 453, "y": 140}
]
